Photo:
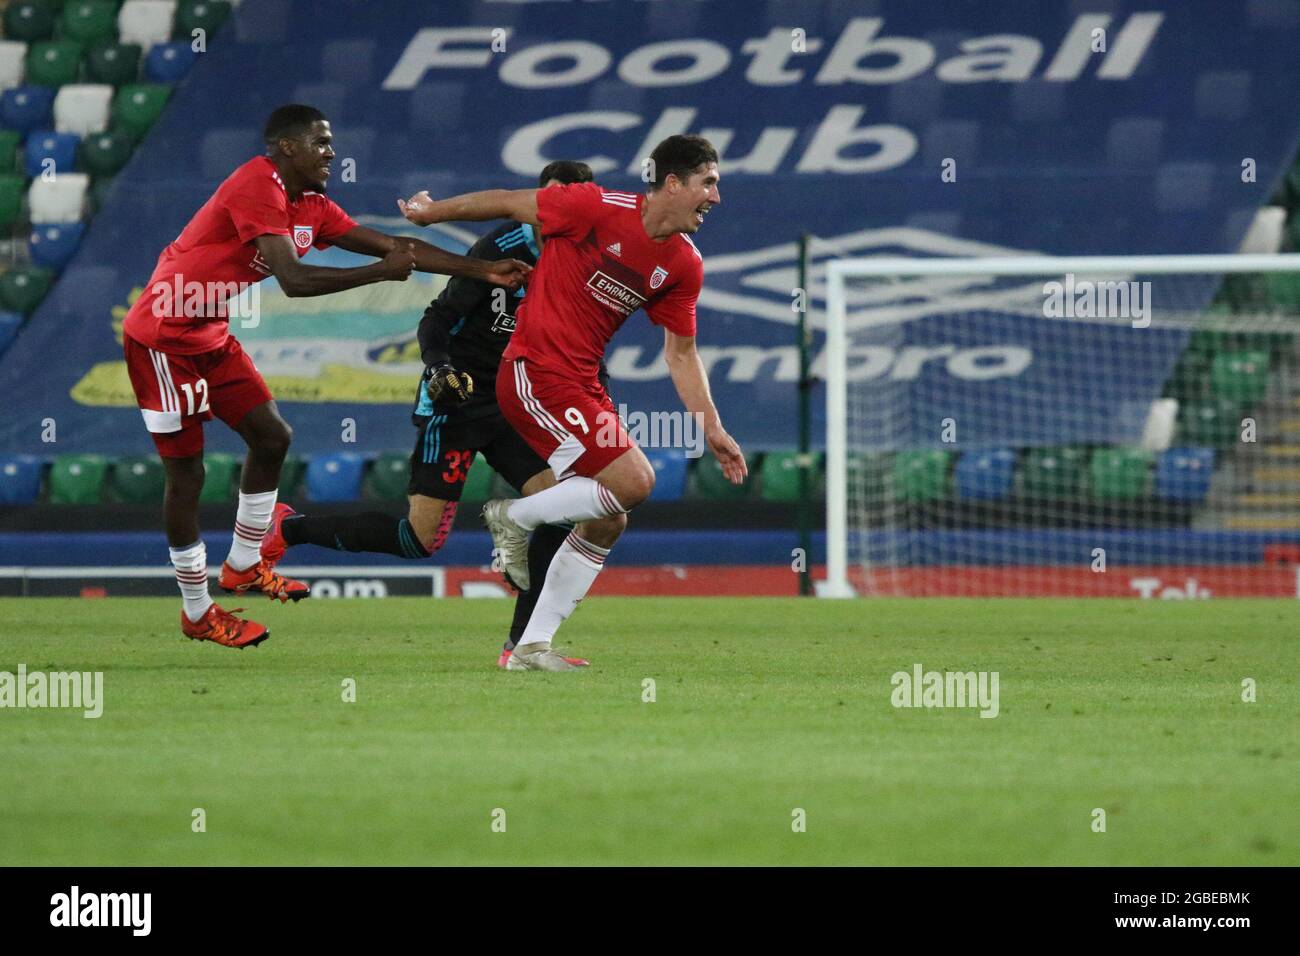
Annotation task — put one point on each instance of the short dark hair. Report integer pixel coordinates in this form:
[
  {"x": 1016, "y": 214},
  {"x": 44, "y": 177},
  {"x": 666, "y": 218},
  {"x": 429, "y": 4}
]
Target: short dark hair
[
  {"x": 566, "y": 171},
  {"x": 680, "y": 156},
  {"x": 290, "y": 121}
]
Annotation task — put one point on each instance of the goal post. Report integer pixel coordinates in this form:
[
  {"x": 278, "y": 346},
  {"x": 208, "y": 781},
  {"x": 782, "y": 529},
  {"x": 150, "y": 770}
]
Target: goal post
[{"x": 952, "y": 365}]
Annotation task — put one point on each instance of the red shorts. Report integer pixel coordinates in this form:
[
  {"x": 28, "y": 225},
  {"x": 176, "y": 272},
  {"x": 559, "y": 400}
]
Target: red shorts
[
  {"x": 571, "y": 424},
  {"x": 178, "y": 393}
]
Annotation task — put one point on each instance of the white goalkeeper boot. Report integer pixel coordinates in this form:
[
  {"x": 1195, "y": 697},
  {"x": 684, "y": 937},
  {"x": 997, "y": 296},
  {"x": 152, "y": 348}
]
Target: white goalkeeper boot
[
  {"x": 538, "y": 657},
  {"x": 509, "y": 541}
]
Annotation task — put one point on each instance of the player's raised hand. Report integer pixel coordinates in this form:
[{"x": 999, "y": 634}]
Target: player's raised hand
[
  {"x": 400, "y": 262},
  {"x": 728, "y": 453},
  {"x": 418, "y": 209},
  {"x": 510, "y": 273}
]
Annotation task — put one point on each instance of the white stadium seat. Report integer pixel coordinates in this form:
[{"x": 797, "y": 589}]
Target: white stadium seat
[
  {"x": 82, "y": 108},
  {"x": 13, "y": 63},
  {"x": 61, "y": 199},
  {"x": 146, "y": 22},
  {"x": 1265, "y": 233}
]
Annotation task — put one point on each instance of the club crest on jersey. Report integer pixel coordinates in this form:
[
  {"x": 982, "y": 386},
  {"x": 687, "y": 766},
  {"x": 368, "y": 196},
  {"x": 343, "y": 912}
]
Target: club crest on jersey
[
  {"x": 302, "y": 236},
  {"x": 658, "y": 276}
]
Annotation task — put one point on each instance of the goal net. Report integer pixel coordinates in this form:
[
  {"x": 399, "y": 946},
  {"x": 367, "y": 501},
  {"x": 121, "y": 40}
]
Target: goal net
[{"x": 1079, "y": 426}]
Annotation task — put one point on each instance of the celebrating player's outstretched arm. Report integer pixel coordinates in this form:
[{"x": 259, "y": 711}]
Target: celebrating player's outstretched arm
[
  {"x": 510, "y": 273},
  {"x": 517, "y": 204},
  {"x": 692, "y": 384}
]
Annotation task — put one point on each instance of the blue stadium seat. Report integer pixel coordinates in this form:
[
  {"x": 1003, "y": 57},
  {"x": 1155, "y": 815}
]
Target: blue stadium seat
[
  {"x": 670, "y": 474},
  {"x": 10, "y": 323},
  {"x": 45, "y": 145},
  {"x": 20, "y": 479},
  {"x": 169, "y": 62},
  {"x": 985, "y": 475},
  {"x": 335, "y": 477},
  {"x": 53, "y": 244},
  {"x": 26, "y": 108},
  {"x": 1183, "y": 475}
]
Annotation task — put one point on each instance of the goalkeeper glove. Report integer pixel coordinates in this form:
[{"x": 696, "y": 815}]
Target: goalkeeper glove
[{"x": 445, "y": 382}]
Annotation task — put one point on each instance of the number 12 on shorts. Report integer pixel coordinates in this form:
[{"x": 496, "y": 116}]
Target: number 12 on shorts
[{"x": 201, "y": 387}]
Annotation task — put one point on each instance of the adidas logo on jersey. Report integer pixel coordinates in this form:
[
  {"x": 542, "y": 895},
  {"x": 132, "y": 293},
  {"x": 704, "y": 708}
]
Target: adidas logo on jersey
[{"x": 616, "y": 249}]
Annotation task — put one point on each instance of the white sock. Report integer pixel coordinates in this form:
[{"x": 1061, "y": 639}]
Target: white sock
[
  {"x": 251, "y": 521},
  {"x": 191, "y": 566},
  {"x": 568, "y": 579},
  {"x": 572, "y": 500}
]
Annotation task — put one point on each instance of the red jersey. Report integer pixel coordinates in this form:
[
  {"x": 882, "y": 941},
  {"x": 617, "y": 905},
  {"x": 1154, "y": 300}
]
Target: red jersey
[
  {"x": 181, "y": 310},
  {"x": 598, "y": 267}
]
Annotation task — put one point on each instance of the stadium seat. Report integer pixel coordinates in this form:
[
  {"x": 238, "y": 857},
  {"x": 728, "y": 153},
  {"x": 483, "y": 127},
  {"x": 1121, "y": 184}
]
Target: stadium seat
[
  {"x": 146, "y": 22},
  {"x": 114, "y": 63},
  {"x": 12, "y": 186},
  {"x": 82, "y": 108},
  {"x": 169, "y": 62},
  {"x": 1190, "y": 378},
  {"x": 1284, "y": 292},
  {"x": 20, "y": 479},
  {"x": 138, "y": 106},
  {"x": 779, "y": 476},
  {"x": 867, "y": 475},
  {"x": 708, "y": 481},
  {"x": 53, "y": 63},
  {"x": 291, "y": 475},
  {"x": 10, "y": 323},
  {"x": 54, "y": 244},
  {"x": 478, "y": 485},
  {"x": 1053, "y": 473},
  {"x": 670, "y": 474},
  {"x": 49, "y": 153},
  {"x": 27, "y": 108},
  {"x": 23, "y": 288},
  {"x": 138, "y": 480},
  {"x": 103, "y": 154},
  {"x": 222, "y": 472},
  {"x": 205, "y": 15},
  {"x": 1264, "y": 237},
  {"x": 1240, "y": 376},
  {"x": 62, "y": 199},
  {"x": 985, "y": 475},
  {"x": 388, "y": 477},
  {"x": 1118, "y": 473},
  {"x": 13, "y": 63},
  {"x": 10, "y": 140},
  {"x": 335, "y": 477},
  {"x": 921, "y": 476},
  {"x": 1183, "y": 474},
  {"x": 78, "y": 479},
  {"x": 89, "y": 21},
  {"x": 29, "y": 22}
]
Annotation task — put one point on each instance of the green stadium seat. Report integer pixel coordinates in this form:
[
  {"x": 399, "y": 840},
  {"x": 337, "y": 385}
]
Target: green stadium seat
[
  {"x": 114, "y": 63},
  {"x": 103, "y": 154},
  {"x": 53, "y": 63},
  {"x": 921, "y": 475},
  {"x": 1190, "y": 378},
  {"x": 23, "y": 288},
  {"x": 205, "y": 15},
  {"x": 78, "y": 479},
  {"x": 478, "y": 485},
  {"x": 138, "y": 480},
  {"x": 29, "y": 22},
  {"x": 12, "y": 187},
  {"x": 866, "y": 475},
  {"x": 89, "y": 21},
  {"x": 779, "y": 477},
  {"x": 10, "y": 140},
  {"x": 1211, "y": 422},
  {"x": 291, "y": 473},
  {"x": 1240, "y": 376},
  {"x": 219, "y": 482},
  {"x": 708, "y": 481},
  {"x": 1053, "y": 473},
  {"x": 388, "y": 477},
  {"x": 1119, "y": 473},
  {"x": 137, "y": 107}
]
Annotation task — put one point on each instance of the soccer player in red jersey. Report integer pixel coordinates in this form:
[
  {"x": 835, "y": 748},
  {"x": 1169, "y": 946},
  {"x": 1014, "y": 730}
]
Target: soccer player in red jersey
[
  {"x": 186, "y": 367},
  {"x": 607, "y": 254}
]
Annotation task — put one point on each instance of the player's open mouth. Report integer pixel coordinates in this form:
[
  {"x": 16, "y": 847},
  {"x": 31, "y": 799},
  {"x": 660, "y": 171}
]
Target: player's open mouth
[{"x": 700, "y": 213}]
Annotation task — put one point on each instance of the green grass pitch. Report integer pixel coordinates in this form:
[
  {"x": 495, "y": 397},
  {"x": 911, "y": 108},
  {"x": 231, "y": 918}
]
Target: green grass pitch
[{"x": 761, "y": 707}]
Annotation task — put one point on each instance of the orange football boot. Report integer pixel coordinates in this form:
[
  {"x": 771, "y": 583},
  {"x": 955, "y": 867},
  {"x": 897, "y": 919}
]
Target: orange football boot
[
  {"x": 222, "y": 627},
  {"x": 262, "y": 578},
  {"x": 273, "y": 543}
]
